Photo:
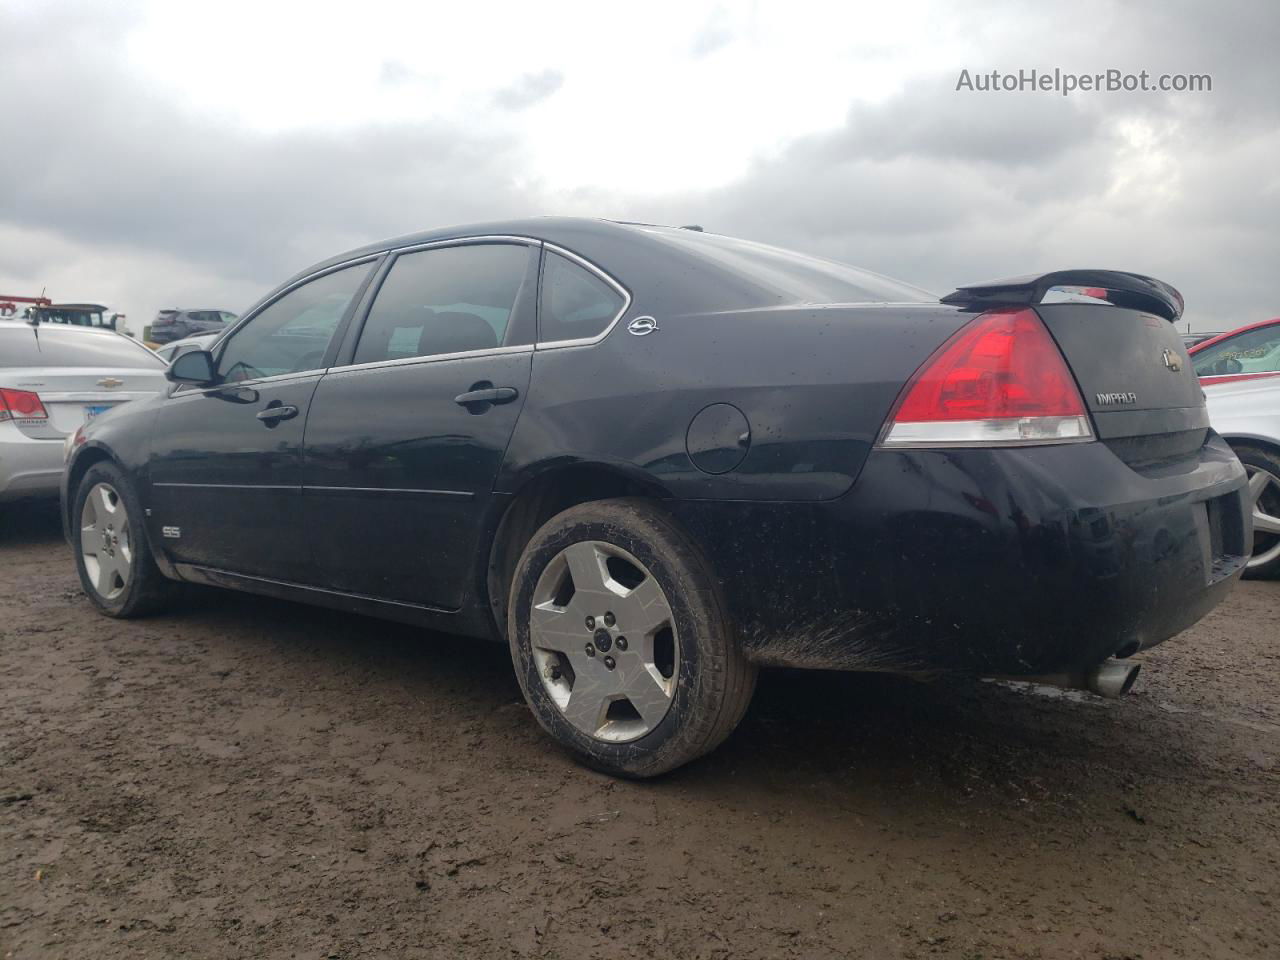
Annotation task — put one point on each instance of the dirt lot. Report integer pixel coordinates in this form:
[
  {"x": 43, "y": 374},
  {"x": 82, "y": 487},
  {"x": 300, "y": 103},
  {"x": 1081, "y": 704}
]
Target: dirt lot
[{"x": 254, "y": 778}]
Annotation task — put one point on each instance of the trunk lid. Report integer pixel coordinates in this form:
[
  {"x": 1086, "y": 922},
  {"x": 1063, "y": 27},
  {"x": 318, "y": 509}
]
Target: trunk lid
[
  {"x": 74, "y": 395},
  {"x": 1136, "y": 378}
]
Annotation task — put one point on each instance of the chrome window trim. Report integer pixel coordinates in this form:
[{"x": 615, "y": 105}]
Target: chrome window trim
[
  {"x": 427, "y": 358},
  {"x": 464, "y": 241},
  {"x": 190, "y": 390},
  {"x": 607, "y": 278}
]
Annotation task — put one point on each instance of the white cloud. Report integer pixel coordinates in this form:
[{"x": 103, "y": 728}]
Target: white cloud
[{"x": 163, "y": 152}]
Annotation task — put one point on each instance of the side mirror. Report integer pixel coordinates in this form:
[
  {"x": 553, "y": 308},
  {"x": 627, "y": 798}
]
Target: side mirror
[{"x": 194, "y": 366}]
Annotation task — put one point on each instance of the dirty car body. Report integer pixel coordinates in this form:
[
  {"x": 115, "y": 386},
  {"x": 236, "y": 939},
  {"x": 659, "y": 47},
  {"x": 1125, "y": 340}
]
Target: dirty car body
[{"x": 752, "y": 394}]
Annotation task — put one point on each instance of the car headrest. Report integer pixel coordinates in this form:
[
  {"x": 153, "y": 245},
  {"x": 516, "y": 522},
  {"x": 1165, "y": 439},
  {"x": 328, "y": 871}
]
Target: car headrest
[{"x": 456, "y": 332}]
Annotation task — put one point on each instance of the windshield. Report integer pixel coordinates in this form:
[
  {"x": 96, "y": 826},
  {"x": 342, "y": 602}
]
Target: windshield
[{"x": 796, "y": 277}]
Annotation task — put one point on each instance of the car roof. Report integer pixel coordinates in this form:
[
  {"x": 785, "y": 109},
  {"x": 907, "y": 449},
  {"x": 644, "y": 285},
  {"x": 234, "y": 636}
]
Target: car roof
[
  {"x": 641, "y": 256},
  {"x": 565, "y": 231},
  {"x": 1231, "y": 333}
]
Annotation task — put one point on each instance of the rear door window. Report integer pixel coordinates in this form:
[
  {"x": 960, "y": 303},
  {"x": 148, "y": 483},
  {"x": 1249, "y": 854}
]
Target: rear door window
[
  {"x": 445, "y": 300},
  {"x": 577, "y": 304}
]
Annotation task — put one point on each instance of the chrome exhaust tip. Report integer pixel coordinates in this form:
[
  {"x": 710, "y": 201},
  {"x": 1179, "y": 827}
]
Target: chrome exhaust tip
[{"x": 1112, "y": 678}]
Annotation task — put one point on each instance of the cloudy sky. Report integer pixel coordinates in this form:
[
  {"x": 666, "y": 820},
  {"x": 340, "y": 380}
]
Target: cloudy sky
[{"x": 176, "y": 153}]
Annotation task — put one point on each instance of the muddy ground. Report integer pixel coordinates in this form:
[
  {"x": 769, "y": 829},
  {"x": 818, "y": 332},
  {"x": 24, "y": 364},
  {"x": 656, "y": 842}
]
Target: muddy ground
[{"x": 254, "y": 778}]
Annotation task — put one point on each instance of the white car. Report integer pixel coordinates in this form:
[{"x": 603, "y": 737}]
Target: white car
[
  {"x": 53, "y": 379},
  {"x": 169, "y": 352},
  {"x": 1246, "y": 412}
]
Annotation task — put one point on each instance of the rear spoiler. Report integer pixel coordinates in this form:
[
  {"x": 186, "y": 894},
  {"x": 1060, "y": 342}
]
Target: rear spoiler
[{"x": 1131, "y": 290}]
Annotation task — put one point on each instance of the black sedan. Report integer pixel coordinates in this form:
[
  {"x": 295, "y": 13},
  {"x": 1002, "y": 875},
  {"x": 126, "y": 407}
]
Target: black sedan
[{"x": 652, "y": 460}]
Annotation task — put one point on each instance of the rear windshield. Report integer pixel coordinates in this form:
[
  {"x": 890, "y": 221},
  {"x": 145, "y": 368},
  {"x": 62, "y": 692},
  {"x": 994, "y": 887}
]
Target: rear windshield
[
  {"x": 24, "y": 346},
  {"x": 796, "y": 277}
]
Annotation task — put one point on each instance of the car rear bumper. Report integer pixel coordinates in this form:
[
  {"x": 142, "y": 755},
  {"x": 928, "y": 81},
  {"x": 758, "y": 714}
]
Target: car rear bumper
[
  {"x": 28, "y": 467},
  {"x": 1007, "y": 561}
]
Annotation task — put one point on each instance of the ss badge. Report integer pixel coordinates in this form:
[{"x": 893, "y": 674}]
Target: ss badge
[
  {"x": 642, "y": 326},
  {"x": 173, "y": 533}
]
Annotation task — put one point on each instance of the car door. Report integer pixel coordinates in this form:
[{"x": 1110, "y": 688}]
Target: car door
[
  {"x": 1254, "y": 352},
  {"x": 405, "y": 440},
  {"x": 226, "y": 460}
]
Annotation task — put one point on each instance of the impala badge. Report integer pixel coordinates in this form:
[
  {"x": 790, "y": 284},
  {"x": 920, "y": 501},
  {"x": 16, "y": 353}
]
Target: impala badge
[
  {"x": 642, "y": 326},
  {"x": 1171, "y": 361},
  {"x": 1110, "y": 399},
  {"x": 110, "y": 382}
]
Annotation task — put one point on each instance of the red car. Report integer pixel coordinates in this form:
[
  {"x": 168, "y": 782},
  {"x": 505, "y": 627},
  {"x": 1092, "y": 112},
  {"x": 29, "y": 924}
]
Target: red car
[{"x": 1245, "y": 354}]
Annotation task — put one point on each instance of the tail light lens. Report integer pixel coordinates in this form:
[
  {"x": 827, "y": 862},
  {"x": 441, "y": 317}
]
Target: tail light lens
[
  {"x": 21, "y": 405},
  {"x": 999, "y": 380}
]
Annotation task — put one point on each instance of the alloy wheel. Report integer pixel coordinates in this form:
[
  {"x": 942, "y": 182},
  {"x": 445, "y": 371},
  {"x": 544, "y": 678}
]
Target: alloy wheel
[
  {"x": 604, "y": 641},
  {"x": 106, "y": 545},
  {"x": 1264, "y": 493}
]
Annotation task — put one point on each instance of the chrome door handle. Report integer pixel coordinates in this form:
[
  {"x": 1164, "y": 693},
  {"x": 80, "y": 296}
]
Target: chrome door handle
[{"x": 273, "y": 415}]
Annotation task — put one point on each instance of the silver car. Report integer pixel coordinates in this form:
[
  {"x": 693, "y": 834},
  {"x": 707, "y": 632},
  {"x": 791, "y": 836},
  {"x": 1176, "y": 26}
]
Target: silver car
[
  {"x": 53, "y": 379},
  {"x": 1247, "y": 415}
]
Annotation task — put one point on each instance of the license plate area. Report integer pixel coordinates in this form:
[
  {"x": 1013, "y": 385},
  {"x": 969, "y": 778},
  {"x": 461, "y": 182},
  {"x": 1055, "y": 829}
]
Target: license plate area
[{"x": 91, "y": 410}]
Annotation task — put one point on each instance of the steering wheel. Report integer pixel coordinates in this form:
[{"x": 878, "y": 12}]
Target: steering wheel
[{"x": 1227, "y": 365}]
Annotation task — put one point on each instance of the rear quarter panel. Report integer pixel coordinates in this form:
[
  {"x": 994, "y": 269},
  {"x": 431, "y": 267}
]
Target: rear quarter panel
[{"x": 814, "y": 383}]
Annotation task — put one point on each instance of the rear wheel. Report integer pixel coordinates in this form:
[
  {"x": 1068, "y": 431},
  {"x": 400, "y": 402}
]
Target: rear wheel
[
  {"x": 1263, "y": 468},
  {"x": 113, "y": 557},
  {"x": 620, "y": 640}
]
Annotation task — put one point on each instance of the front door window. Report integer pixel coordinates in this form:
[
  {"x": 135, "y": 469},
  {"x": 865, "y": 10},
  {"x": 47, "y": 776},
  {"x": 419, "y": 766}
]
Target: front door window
[{"x": 292, "y": 335}]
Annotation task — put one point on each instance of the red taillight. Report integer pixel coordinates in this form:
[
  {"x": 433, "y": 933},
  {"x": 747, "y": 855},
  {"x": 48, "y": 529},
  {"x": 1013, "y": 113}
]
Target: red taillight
[
  {"x": 1001, "y": 379},
  {"x": 21, "y": 405}
]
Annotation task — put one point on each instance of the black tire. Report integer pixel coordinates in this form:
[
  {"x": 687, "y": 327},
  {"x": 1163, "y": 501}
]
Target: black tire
[
  {"x": 1262, "y": 459},
  {"x": 714, "y": 681},
  {"x": 147, "y": 589}
]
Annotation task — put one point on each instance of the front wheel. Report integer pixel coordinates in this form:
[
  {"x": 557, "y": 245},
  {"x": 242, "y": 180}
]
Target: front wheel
[
  {"x": 621, "y": 642},
  {"x": 113, "y": 556}
]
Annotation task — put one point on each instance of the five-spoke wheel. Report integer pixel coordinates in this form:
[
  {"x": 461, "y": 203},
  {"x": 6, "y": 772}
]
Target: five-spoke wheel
[
  {"x": 621, "y": 642},
  {"x": 1263, "y": 467},
  {"x": 113, "y": 557},
  {"x": 106, "y": 546},
  {"x": 1264, "y": 493},
  {"x": 604, "y": 640}
]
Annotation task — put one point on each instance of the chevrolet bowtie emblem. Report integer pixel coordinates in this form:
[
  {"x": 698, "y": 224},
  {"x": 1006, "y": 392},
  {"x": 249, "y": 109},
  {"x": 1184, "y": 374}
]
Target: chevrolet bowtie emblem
[
  {"x": 110, "y": 382},
  {"x": 1171, "y": 361}
]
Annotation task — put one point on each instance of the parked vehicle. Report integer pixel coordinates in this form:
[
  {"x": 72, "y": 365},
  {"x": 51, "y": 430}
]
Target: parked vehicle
[
  {"x": 1244, "y": 354},
  {"x": 655, "y": 459},
  {"x": 1246, "y": 413},
  {"x": 1189, "y": 340},
  {"x": 202, "y": 341},
  {"x": 73, "y": 315},
  {"x": 53, "y": 379},
  {"x": 170, "y": 325}
]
